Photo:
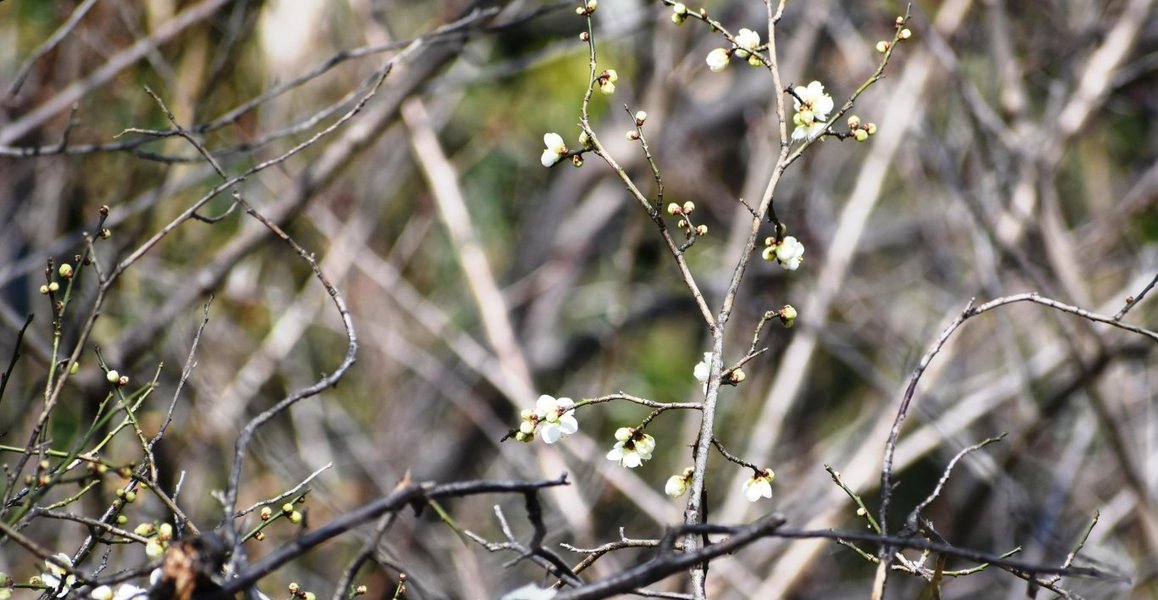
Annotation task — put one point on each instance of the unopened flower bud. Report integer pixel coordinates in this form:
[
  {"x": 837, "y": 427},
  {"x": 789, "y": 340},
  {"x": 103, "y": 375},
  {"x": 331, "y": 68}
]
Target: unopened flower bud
[
  {"x": 44, "y": 289},
  {"x": 674, "y": 209},
  {"x": 65, "y": 271},
  {"x": 701, "y": 229},
  {"x": 577, "y": 161},
  {"x": 266, "y": 513},
  {"x": 113, "y": 377},
  {"x": 640, "y": 117},
  {"x": 860, "y": 135},
  {"x": 905, "y": 34},
  {"x": 900, "y": 20},
  {"x": 682, "y": 224},
  {"x": 287, "y": 508},
  {"x": 632, "y": 135},
  {"x": 853, "y": 122},
  {"x": 145, "y": 529},
  {"x": 737, "y": 375},
  {"x": 871, "y": 128},
  {"x": 689, "y": 206},
  {"x": 53, "y": 287},
  {"x": 584, "y": 37},
  {"x": 882, "y": 46},
  {"x": 295, "y": 517},
  {"x": 788, "y": 315}
]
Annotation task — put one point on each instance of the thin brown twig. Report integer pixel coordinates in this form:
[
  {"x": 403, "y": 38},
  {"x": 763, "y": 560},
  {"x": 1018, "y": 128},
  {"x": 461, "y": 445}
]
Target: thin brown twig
[{"x": 1134, "y": 300}]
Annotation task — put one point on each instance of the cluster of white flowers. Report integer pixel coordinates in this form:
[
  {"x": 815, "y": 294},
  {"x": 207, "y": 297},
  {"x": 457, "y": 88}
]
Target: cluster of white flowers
[
  {"x": 812, "y": 108},
  {"x": 125, "y": 591},
  {"x": 57, "y": 578},
  {"x": 59, "y": 582},
  {"x": 631, "y": 448},
  {"x": 551, "y": 419},
  {"x": 747, "y": 42},
  {"x": 789, "y": 252},
  {"x": 759, "y": 485}
]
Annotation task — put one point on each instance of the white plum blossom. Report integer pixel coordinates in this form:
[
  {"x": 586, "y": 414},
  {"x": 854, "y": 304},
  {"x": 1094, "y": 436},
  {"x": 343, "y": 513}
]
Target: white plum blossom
[
  {"x": 677, "y": 485},
  {"x": 606, "y": 81},
  {"x": 812, "y": 108},
  {"x": 789, "y": 253},
  {"x": 556, "y": 417},
  {"x": 632, "y": 448},
  {"x": 746, "y": 42},
  {"x": 530, "y": 592},
  {"x": 154, "y": 548},
  {"x": 126, "y": 591},
  {"x": 718, "y": 59},
  {"x": 58, "y": 580},
  {"x": 759, "y": 486},
  {"x": 556, "y": 148},
  {"x": 703, "y": 370}
]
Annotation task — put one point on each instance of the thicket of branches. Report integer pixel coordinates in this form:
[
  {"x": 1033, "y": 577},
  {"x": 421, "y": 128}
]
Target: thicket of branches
[{"x": 280, "y": 282}]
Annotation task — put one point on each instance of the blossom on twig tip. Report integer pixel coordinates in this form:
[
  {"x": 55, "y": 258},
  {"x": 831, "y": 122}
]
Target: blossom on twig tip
[
  {"x": 556, "y": 149},
  {"x": 759, "y": 486}
]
